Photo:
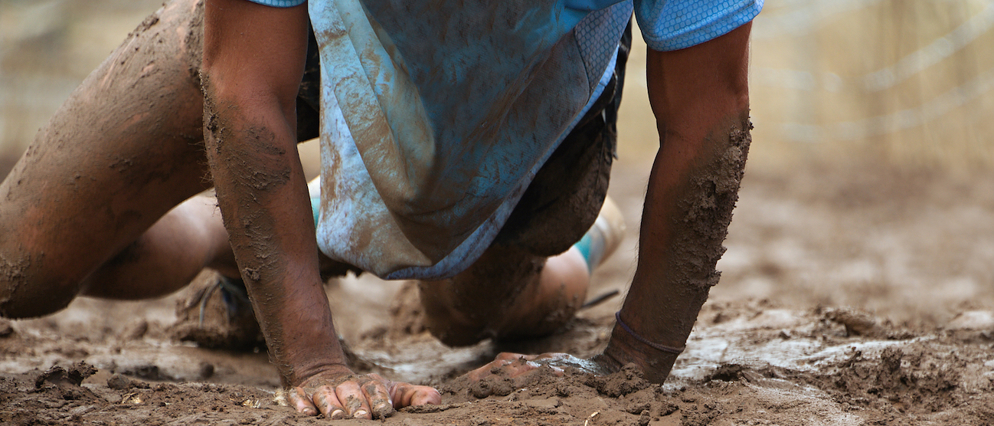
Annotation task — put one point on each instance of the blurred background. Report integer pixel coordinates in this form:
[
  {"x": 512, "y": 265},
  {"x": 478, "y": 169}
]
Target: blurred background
[
  {"x": 902, "y": 81},
  {"x": 870, "y": 180},
  {"x": 907, "y": 82}
]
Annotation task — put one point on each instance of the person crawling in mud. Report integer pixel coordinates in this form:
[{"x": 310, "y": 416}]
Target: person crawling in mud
[{"x": 464, "y": 144}]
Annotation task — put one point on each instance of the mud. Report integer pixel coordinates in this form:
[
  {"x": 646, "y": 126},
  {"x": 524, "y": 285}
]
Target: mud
[
  {"x": 708, "y": 206},
  {"x": 193, "y": 44},
  {"x": 12, "y": 274},
  {"x": 761, "y": 377},
  {"x": 791, "y": 336}
]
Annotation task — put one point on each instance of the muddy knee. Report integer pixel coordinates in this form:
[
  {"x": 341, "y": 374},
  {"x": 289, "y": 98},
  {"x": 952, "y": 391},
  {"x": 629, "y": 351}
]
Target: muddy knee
[
  {"x": 499, "y": 296},
  {"x": 444, "y": 317},
  {"x": 27, "y": 293}
]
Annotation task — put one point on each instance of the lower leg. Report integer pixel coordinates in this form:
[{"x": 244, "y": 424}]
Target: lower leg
[
  {"x": 469, "y": 307},
  {"x": 562, "y": 284},
  {"x": 506, "y": 294},
  {"x": 548, "y": 304},
  {"x": 534, "y": 296},
  {"x": 167, "y": 256}
]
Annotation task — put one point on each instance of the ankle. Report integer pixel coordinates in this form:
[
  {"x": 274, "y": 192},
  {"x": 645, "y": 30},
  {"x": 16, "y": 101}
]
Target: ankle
[{"x": 655, "y": 360}]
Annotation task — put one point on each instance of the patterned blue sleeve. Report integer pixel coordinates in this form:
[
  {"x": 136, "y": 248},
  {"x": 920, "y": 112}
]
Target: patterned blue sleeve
[
  {"x": 280, "y": 3},
  {"x": 677, "y": 24}
]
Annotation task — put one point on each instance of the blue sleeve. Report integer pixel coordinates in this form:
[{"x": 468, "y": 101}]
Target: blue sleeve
[
  {"x": 280, "y": 3},
  {"x": 677, "y": 24}
]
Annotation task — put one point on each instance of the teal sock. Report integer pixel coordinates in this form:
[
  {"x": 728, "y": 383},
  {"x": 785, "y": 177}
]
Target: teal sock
[
  {"x": 316, "y": 209},
  {"x": 591, "y": 246}
]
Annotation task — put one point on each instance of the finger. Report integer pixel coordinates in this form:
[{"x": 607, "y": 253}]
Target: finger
[
  {"x": 406, "y": 394},
  {"x": 327, "y": 402},
  {"x": 353, "y": 400},
  {"x": 299, "y": 401},
  {"x": 375, "y": 392},
  {"x": 504, "y": 368}
]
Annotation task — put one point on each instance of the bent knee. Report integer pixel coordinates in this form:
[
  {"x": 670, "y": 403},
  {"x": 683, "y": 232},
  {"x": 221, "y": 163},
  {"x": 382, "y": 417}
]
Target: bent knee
[
  {"x": 443, "y": 318},
  {"x": 24, "y": 294}
]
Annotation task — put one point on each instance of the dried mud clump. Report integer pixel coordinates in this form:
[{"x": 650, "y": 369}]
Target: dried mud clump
[
  {"x": 500, "y": 386},
  {"x": 59, "y": 376}
]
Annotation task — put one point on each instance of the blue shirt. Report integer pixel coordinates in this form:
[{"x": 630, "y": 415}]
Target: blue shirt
[{"x": 436, "y": 115}]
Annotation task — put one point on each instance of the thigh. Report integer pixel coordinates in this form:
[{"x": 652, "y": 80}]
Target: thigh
[{"x": 123, "y": 149}]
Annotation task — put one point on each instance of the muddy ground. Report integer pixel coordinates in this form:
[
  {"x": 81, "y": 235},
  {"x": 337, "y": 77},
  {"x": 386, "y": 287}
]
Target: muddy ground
[{"x": 850, "y": 295}]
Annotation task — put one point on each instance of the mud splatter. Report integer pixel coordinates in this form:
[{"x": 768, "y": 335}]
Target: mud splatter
[
  {"x": 193, "y": 44},
  {"x": 13, "y": 275},
  {"x": 145, "y": 25},
  {"x": 708, "y": 207}
]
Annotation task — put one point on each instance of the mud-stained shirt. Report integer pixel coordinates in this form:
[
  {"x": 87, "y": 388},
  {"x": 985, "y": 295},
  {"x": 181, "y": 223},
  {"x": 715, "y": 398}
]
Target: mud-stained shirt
[{"x": 437, "y": 114}]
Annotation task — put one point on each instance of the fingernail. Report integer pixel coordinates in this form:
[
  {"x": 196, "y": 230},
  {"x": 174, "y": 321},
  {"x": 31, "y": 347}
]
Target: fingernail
[
  {"x": 382, "y": 410},
  {"x": 309, "y": 412},
  {"x": 337, "y": 415},
  {"x": 360, "y": 414}
]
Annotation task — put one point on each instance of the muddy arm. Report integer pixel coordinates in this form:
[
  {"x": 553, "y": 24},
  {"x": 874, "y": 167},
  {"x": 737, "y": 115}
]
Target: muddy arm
[
  {"x": 253, "y": 63},
  {"x": 700, "y": 98}
]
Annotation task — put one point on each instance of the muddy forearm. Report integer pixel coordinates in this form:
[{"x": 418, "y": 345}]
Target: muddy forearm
[
  {"x": 250, "y": 79},
  {"x": 263, "y": 200},
  {"x": 700, "y": 98}
]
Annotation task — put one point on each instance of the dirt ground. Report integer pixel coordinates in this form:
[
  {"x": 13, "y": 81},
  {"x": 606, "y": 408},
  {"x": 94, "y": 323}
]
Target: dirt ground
[{"x": 850, "y": 295}]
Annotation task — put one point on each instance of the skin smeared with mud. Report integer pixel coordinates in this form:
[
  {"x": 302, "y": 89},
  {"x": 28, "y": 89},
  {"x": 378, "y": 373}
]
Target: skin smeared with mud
[
  {"x": 707, "y": 209},
  {"x": 257, "y": 228},
  {"x": 699, "y": 213},
  {"x": 698, "y": 226},
  {"x": 460, "y": 311},
  {"x": 250, "y": 126},
  {"x": 126, "y": 148},
  {"x": 12, "y": 274},
  {"x": 504, "y": 295},
  {"x": 93, "y": 180}
]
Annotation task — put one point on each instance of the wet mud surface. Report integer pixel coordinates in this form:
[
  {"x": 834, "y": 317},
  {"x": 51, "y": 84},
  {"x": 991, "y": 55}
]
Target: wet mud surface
[{"x": 857, "y": 320}]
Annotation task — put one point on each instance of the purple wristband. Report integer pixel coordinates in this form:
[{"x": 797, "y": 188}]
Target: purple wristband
[{"x": 657, "y": 346}]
